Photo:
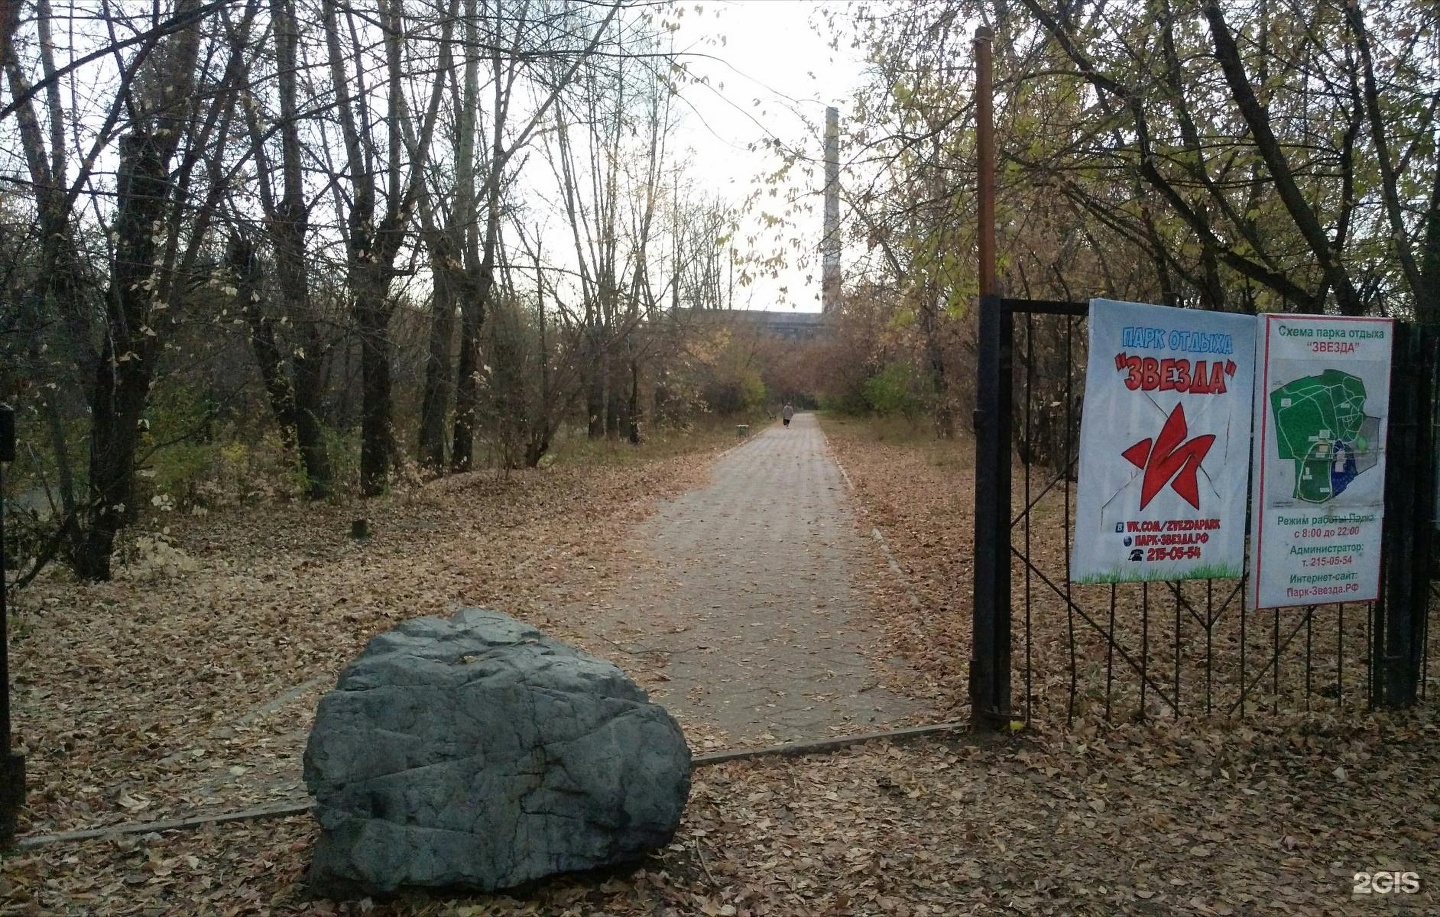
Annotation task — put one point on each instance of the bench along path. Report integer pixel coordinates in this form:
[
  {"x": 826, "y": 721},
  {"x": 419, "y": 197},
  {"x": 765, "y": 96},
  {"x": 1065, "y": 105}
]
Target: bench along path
[{"x": 743, "y": 596}]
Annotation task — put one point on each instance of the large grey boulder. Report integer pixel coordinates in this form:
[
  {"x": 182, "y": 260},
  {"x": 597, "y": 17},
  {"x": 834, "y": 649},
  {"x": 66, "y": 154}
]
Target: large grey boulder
[{"x": 476, "y": 752}]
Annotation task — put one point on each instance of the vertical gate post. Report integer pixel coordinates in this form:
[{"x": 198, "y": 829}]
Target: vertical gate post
[
  {"x": 1396, "y": 647},
  {"x": 985, "y": 162},
  {"x": 990, "y": 641},
  {"x": 12, "y": 766},
  {"x": 990, "y": 632}
]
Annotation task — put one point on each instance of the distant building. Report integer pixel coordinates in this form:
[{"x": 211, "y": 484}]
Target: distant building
[{"x": 790, "y": 326}]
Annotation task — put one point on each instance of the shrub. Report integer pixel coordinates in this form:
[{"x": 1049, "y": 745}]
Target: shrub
[{"x": 895, "y": 390}]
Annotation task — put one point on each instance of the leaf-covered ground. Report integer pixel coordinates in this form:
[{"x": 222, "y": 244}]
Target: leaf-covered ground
[
  {"x": 189, "y": 670},
  {"x": 1236, "y": 822},
  {"x": 186, "y": 685}
]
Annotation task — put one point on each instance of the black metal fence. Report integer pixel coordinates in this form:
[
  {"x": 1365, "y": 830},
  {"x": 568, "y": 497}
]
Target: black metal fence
[
  {"x": 12, "y": 765},
  {"x": 1047, "y": 649}
]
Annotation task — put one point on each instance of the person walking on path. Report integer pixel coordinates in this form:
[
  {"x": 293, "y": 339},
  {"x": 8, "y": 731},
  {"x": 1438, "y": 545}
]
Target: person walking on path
[{"x": 786, "y": 413}]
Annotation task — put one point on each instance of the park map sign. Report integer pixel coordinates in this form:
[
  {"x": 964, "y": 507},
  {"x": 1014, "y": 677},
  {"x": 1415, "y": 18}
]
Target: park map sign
[
  {"x": 1319, "y": 484},
  {"x": 1164, "y": 444}
]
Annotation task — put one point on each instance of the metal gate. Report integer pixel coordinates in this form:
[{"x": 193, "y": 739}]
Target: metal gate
[{"x": 1046, "y": 649}]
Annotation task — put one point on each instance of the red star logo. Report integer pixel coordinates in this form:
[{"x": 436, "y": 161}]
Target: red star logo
[{"x": 1172, "y": 460}]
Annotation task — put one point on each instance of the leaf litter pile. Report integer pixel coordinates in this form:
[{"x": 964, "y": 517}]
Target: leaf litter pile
[{"x": 186, "y": 686}]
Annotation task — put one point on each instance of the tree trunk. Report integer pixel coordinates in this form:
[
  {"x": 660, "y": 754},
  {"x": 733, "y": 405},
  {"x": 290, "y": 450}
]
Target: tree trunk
[
  {"x": 289, "y": 226},
  {"x": 930, "y": 322},
  {"x": 114, "y": 436},
  {"x": 373, "y": 247},
  {"x": 452, "y": 249},
  {"x": 613, "y": 413},
  {"x": 309, "y": 432},
  {"x": 245, "y": 271},
  {"x": 633, "y": 407},
  {"x": 59, "y": 443},
  {"x": 467, "y": 391},
  {"x": 439, "y": 371},
  {"x": 544, "y": 428},
  {"x": 295, "y": 402},
  {"x": 127, "y": 362},
  {"x": 1427, "y": 299},
  {"x": 595, "y": 390},
  {"x": 537, "y": 448},
  {"x": 307, "y": 372},
  {"x": 372, "y": 317},
  {"x": 1257, "y": 118}
]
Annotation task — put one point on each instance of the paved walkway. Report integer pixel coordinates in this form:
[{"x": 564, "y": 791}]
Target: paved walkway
[
  {"x": 745, "y": 591},
  {"x": 740, "y": 616}
]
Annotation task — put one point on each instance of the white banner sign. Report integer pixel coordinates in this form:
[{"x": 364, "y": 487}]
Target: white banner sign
[
  {"x": 1164, "y": 444},
  {"x": 1321, "y": 405}
]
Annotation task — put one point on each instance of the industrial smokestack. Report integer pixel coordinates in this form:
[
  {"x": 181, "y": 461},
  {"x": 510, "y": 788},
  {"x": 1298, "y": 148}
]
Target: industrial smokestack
[{"x": 830, "y": 246}]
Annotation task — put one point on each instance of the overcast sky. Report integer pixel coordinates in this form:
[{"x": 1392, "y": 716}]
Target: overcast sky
[{"x": 771, "y": 76}]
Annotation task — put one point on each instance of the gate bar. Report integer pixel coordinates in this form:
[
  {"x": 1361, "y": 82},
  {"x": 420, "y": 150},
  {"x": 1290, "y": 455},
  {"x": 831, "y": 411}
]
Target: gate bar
[
  {"x": 12, "y": 766},
  {"x": 1398, "y": 647},
  {"x": 1047, "y": 307},
  {"x": 990, "y": 642}
]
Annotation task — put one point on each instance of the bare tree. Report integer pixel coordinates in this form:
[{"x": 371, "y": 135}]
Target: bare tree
[
  {"x": 509, "y": 63},
  {"x": 172, "y": 108},
  {"x": 609, "y": 188},
  {"x": 292, "y": 374},
  {"x": 374, "y": 149}
]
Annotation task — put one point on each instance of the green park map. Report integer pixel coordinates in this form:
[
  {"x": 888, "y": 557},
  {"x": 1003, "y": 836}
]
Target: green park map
[{"x": 1321, "y": 425}]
